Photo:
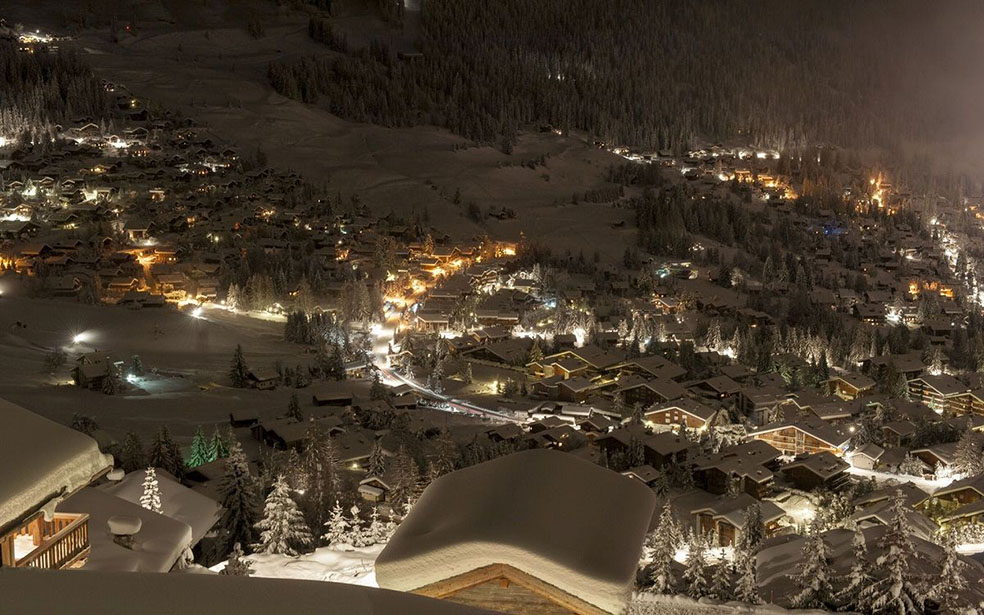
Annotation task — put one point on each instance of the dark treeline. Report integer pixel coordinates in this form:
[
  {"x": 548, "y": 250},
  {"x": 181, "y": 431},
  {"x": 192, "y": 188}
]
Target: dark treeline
[
  {"x": 653, "y": 74},
  {"x": 41, "y": 89}
]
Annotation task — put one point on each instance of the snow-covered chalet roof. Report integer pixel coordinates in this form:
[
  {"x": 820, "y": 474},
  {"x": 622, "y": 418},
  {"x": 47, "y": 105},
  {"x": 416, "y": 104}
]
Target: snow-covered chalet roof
[
  {"x": 559, "y": 518},
  {"x": 177, "y": 501},
  {"x": 41, "y": 460}
]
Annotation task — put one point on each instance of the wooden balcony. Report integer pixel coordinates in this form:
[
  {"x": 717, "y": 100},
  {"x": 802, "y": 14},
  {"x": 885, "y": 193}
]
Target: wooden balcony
[{"x": 60, "y": 543}]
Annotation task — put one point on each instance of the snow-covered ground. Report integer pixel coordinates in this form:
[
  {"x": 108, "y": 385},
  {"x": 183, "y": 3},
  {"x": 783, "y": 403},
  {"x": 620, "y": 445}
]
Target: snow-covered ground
[
  {"x": 926, "y": 484},
  {"x": 799, "y": 508},
  {"x": 654, "y": 604},
  {"x": 970, "y": 548},
  {"x": 356, "y": 566}
]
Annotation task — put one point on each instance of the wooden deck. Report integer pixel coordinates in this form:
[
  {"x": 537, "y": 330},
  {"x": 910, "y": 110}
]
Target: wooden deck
[{"x": 60, "y": 543}]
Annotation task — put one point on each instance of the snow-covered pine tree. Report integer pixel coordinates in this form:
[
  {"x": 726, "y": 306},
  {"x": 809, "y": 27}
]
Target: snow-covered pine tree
[
  {"x": 695, "y": 574},
  {"x": 217, "y": 447},
  {"x": 283, "y": 529},
  {"x": 407, "y": 478},
  {"x": 661, "y": 484},
  {"x": 375, "y": 533},
  {"x": 164, "y": 453},
  {"x": 319, "y": 466},
  {"x": 951, "y": 580},
  {"x": 750, "y": 537},
  {"x": 713, "y": 340},
  {"x": 967, "y": 459},
  {"x": 814, "y": 575},
  {"x": 746, "y": 589},
  {"x": 240, "y": 496},
  {"x": 860, "y": 576},
  {"x": 238, "y": 565},
  {"x": 151, "y": 498},
  {"x": 377, "y": 461},
  {"x": 356, "y": 535},
  {"x": 448, "y": 454},
  {"x": 895, "y": 592},
  {"x": 665, "y": 540},
  {"x": 911, "y": 466},
  {"x": 721, "y": 586},
  {"x": 199, "y": 453},
  {"x": 337, "y": 527}
]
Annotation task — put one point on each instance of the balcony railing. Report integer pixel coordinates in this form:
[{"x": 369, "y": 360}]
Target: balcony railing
[{"x": 65, "y": 540}]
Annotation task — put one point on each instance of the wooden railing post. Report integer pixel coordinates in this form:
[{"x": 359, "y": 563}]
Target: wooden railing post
[{"x": 67, "y": 545}]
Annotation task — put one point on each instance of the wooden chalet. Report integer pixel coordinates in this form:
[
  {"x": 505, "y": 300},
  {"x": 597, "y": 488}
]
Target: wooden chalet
[
  {"x": 725, "y": 517},
  {"x": 40, "y": 467},
  {"x": 849, "y": 386},
  {"x": 693, "y": 413},
  {"x": 811, "y": 471},
  {"x": 803, "y": 435}
]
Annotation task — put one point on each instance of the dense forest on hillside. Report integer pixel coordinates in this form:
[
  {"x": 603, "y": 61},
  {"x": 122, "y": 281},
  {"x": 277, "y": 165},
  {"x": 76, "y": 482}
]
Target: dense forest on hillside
[
  {"x": 657, "y": 74},
  {"x": 40, "y": 89}
]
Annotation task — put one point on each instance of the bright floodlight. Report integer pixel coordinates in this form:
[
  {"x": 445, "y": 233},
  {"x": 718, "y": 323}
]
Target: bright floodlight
[
  {"x": 197, "y": 312},
  {"x": 78, "y": 338}
]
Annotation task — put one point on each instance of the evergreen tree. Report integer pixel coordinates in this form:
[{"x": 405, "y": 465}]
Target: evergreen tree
[
  {"x": 199, "y": 454},
  {"x": 813, "y": 580},
  {"x": 859, "y": 577},
  {"x": 240, "y": 496},
  {"x": 282, "y": 529},
  {"x": 165, "y": 454},
  {"x": 337, "y": 527},
  {"x": 355, "y": 536},
  {"x": 448, "y": 454},
  {"x": 294, "y": 409},
  {"x": 713, "y": 341},
  {"x": 151, "y": 498},
  {"x": 536, "y": 353},
  {"x": 967, "y": 457},
  {"x": 85, "y": 424},
  {"x": 336, "y": 364},
  {"x": 721, "y": 588},
  {"x": 217, "y": 447},
  {"x": 376, "y": 531},
  {"x": 664, "y": 543},
  {"x": 895, "y": 592},
  {"x": 911, "y": 466},
  {"x": 750, "y": 537},
  {"x": 951, "y": 580},
  {"x": 131, "y": 456},
  {"x": 111, "y": 384},
  {"x": 136, "y": 366},
  {"x": 935, "y": 362},
  {"x": 377, "y": 460},
  {"x": 319, "y": 466},
  {"x": 695, "y": 573},
  {"x": 239, "y": 372},
  {"x": 378, "y": 390},
  {"x": 406, "y": 486},
  {"x": 238, "y": 565},
  {"x": 747, "y": 588}
]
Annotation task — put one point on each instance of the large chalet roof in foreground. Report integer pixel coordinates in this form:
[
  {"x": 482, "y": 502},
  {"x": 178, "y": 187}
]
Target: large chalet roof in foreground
[
  {"x": 538, "y": 511},
  {"x": 108, "y": 593},
  {"x": 41, "y": 460}
]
